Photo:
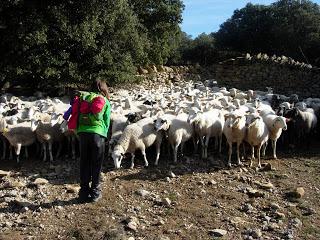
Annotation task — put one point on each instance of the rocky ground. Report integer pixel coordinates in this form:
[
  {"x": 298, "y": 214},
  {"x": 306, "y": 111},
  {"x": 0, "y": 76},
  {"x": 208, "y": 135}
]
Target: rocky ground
[{"x": 194, "y": 200}]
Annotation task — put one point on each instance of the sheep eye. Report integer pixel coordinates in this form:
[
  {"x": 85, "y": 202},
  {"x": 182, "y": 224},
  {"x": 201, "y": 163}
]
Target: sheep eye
[{"x": 163, "y": 121}]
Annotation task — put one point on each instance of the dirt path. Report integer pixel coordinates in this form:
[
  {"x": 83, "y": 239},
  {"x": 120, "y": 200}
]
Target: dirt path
[{"x": 188, "y": 201}]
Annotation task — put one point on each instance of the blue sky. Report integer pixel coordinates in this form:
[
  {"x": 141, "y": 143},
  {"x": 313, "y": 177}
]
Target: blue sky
[{"x": 206, "y": 15}]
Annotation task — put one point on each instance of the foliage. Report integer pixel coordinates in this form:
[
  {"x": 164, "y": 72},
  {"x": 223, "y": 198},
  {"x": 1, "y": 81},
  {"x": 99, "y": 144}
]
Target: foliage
[
  {"x": 286, "y": 27},
  {"x": 57, "y": 41}
]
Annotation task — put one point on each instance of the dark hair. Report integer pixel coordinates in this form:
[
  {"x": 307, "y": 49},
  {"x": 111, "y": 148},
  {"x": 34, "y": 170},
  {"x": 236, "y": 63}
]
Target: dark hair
[{"x": 101, "y": 87}]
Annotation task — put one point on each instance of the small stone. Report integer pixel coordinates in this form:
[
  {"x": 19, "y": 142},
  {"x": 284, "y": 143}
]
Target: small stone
[
  {"x": 298, "y": 192},
  {"x": 212, "y": 182},
  {"x": 130, "y": 238},
  {"x": 22, "y": 203},
  {"x": 268, "y": 185},
  {"x": 132, "y": 226},
  {"x": 256, "y": 233},
  {"x": 274, "y": 206},
  {"x": 167, "y": 202},
  {"x": 40, "y": 181},
  {"x": 280, "y": 215},
  {"x": 24, "y": 209},
  {"x": 296, "y": 222},
  {"x": 168, "y": 179},
  {"x": 254, "y": 193},
  {"x": 267, "y": 167},
  {"x": 72, "y": 189},
  {"x": 247, "y": 207},
  {"x": 143, "y": 193},
  {"x": 4, "y": 173},
  {"x": 217, "y": 232}
]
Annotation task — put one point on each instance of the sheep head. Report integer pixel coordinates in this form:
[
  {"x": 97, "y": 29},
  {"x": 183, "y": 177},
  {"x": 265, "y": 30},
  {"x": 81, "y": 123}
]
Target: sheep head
[
  {"x": 280, "y": 122},
  {"x": 232, "y": 120},
  {"x": 117, "y": 156},
  {"x": 161, "y": 124}
]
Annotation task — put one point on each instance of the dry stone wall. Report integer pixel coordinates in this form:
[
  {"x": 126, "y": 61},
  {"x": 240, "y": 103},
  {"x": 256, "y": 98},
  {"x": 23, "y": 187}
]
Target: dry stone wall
[{"x": 283, "y": 74}]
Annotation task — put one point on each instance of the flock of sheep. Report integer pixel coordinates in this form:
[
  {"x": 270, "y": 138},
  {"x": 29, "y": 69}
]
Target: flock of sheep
[{"x": 167, "y": 116}]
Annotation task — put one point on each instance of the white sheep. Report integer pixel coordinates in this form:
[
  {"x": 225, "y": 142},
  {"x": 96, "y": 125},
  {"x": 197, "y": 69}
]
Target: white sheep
[
  {"x": 18, "y": 136},
  {"x": 140, "y": 135},
  {"x": 206, "y": 125},
  {"x": 275, "y": 126},
  {"x": 257, "y": 134},
  {"x": 178, "y": 131},
  {"x": 234, "y": 131},
  {"x": 47, "y": 135}
]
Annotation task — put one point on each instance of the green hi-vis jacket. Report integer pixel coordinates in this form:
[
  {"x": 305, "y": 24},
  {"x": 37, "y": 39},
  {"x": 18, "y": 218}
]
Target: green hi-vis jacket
[{"x": 103, "y": 126}]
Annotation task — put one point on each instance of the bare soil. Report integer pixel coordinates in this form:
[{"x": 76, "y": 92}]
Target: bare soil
[{"x": 204, "y": 196}]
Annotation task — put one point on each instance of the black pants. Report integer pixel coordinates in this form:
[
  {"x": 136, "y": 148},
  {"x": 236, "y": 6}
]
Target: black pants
[{"x": 92, "y": 149}]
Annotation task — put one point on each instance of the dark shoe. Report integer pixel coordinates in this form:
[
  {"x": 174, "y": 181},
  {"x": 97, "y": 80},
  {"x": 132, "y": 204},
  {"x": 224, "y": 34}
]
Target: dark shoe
[
  {"x": 95, "y": 198},
  {"x": 83, "y": 196}
]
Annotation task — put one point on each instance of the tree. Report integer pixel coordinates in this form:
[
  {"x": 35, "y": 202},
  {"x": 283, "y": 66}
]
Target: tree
[
  {"x": 160, "y": 22},
  {"x": 287, "y": 27},
  {"x": 77, "y": 41}
]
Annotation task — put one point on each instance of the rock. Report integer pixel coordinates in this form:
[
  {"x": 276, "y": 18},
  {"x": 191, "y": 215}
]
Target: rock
[
  {"x": 40, "y": 181},
  {"x": 13, "y": 184},
  {"x": 267, "y": 167},
  {"x": 22, "y": 203},
  {"x": 247, "y": 207},
  {"x": 297, "y": 193},
  {"x": 274, "y": 206},
  {"x": 132, "y": 223},
  {"x": 268, "y": 185},
  {"x": 280, "y": 215},
  {"x": 168, "y": 179},
  {"x": 254, "y": 193},
  {"x": 296, "y": 222},
  {"x": 212, "y": 182},
  {"x": 163, "y": 238},
  {"x": 72, "y": 189},
  {"x": 130, "y": 238},
  {"x": 256, "y": 233},
  {"x": 143, "y": 193},
  {"x": 4, "y": 173},
  {"x": 166, "y": 202},
  {"x": 217, "y": 232}
]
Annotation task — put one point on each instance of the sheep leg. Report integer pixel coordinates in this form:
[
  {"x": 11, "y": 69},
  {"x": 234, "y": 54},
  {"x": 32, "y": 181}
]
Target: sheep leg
[
  {"x": 4, "y": 146},
  {"x": 18, "y": 149},
  {"x": 216, "y": 142},
  {"x": 50, "y": 151},
  {"x": 175, "y": 152},
  {"x": 182, "y": 147},
  {"x": 230, "y": 153},
  {"x": 206, "y": 147},
  {"x": 44, "y": 151},
  {"x": 252, "y": 155},
  {"x": 132, "y": 161},
  {"x": 202, "y": 147},
  {"x": 258, "y": 153},
  {"x": 238, "y": 154},
  {"x": 274, "y": 147},
  {"x": 220, "y": 143},
  {"x": 158, "y": 149},
  {"x": 10, "y": 154},
  {"x": 59, "y": 150},
  {"x": 26, "y": 152},
  {"x": 195, "y": 145},
  {"x": 264, "y": 147},
  {"x": 146, "y": 163}
]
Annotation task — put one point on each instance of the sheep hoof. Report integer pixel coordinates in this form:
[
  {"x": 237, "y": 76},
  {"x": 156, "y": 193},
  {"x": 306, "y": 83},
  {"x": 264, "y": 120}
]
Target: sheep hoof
[
  {"x": 229, "y": 165},
  {"x": 240, "y": 164}
]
